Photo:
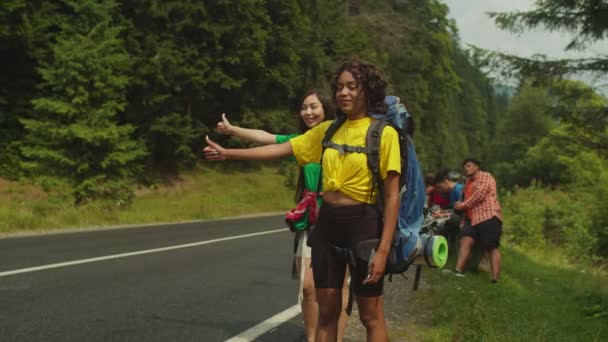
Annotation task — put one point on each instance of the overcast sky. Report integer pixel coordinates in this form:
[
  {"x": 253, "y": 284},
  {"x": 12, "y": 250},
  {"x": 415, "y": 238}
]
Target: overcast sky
[{"x": 476, "y": 28}]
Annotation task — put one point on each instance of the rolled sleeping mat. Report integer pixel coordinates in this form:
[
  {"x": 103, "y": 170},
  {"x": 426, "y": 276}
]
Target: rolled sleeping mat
[{"x": 434, "y": 252}]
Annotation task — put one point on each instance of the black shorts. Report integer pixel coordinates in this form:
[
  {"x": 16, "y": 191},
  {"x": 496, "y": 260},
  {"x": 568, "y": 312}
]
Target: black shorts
[
  {"x": 486, "y": 233},
  {"x": 344, "y": 227}
]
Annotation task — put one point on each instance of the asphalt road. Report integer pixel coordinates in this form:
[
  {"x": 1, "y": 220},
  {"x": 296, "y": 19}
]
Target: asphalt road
[{"x": 193, "y": 290}]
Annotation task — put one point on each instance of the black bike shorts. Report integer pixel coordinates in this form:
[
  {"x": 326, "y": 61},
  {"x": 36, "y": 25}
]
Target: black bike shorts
[{"x": 344, "y": 227}]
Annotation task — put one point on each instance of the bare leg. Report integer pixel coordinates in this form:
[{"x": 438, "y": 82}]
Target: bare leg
[
  {"x": 371, "y": 313},
  {"x": 330, "y": 305},
  {"x": 343, "y": 316},
  {"x": 310, "y": 308},
  {"x": 495, "y": 261},
  {"x": 466, "y": 243}
]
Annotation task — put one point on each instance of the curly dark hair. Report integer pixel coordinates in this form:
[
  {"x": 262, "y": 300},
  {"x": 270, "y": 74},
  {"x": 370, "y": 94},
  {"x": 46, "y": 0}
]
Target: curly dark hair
[
  {"x": 329, "y": 108},
  {"x": 371, "y": 79},
  {"x": 429, "y": 179}
]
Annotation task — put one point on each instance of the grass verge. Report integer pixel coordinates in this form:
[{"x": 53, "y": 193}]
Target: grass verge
[
  {"x": 540, "y": 297},
  {"x": 204, "y": 194}
]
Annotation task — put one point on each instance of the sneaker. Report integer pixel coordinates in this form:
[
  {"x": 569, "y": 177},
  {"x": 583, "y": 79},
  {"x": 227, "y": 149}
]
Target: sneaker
[
  {"x": 447, "y": 271},
  {"x": 454, "y": 272}
]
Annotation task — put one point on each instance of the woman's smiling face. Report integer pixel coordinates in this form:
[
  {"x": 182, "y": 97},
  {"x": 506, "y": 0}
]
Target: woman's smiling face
[
  {"x": 312, "y": 112},
  {"x": 349, "y": 94}
]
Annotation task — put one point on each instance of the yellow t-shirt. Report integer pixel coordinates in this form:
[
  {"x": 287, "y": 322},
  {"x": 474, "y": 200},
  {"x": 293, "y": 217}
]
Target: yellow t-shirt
[{"x": 348, "y": 173}]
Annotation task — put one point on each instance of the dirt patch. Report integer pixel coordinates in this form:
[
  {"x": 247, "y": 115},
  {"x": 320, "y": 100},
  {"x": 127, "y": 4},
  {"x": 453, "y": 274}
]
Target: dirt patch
[
  {"x": 167, "y": 185},
  {"x": 10, "y": 190}
]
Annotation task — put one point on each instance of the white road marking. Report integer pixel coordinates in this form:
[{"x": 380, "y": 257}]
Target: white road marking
[
  {"x": 269, "y": 324},
  {"x": 124, "y": 255}
]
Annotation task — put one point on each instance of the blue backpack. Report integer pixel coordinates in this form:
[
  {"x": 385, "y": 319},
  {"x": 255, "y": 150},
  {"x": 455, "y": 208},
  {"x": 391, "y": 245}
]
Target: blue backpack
[{"x": 406, "y": 244}]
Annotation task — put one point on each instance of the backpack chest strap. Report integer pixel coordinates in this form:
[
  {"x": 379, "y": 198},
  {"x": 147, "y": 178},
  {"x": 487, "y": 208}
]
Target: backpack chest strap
[{"x": 343, "y": 148}]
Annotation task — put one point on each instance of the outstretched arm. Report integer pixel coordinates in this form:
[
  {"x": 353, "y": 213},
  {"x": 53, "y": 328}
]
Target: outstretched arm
[
  {"x": 254, "y": 135},
  {"x": 214, "y": 151}
]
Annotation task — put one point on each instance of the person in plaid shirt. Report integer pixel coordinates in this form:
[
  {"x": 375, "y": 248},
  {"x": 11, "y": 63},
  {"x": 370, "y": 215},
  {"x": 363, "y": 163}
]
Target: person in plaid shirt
[{"x": 482, "y": 219}]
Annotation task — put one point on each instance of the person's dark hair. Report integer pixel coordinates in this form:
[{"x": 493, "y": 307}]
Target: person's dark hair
[
  {"x": 329, "y": 111},
  {"x": 472, "y": 160},
  {"x": 429, "y": 179},
  {"x": 329, "y": 108},
  {"x": 371, "y": 80},
  {"x": 442, "y": 176}
]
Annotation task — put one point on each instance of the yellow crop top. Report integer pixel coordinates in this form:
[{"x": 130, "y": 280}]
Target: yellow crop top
[{"x": 348, "y": 173}]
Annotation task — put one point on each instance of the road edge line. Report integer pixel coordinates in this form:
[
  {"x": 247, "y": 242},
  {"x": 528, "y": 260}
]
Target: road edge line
[
  {"x": 129, "y": 254},
  {"x": 258, "y": 330}
]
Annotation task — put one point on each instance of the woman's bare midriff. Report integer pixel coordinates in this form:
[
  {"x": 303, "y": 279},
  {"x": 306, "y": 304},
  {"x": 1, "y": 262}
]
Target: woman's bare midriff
[{"x": 338, "y": 199}]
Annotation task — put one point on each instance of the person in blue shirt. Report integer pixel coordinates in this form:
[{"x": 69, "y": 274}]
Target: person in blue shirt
[{"x": 444, "y": 183}]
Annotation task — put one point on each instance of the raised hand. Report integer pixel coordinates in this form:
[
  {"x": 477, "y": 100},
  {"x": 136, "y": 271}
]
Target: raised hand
[
  {"x": 224, "y": 127},
  {"x": 213, "y": 151}
]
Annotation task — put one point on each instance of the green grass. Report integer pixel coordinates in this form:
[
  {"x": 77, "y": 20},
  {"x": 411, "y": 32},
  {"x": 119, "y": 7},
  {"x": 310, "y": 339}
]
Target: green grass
[
  {"x": 540, "y": 297},
  {"x": 204, "y": 194}
]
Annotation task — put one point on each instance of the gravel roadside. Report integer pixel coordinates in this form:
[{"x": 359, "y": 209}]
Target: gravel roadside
[{"x": 405, "y": 309}]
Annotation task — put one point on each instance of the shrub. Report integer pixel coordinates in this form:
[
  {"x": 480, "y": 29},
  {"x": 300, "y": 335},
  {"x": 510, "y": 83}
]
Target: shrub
[{"x": 537, "y": 217}]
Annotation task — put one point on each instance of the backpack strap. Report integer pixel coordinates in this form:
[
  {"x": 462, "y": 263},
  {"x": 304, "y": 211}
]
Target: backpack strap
[
  {"x": 343, "y": 148},
  {"x": 329, "y": 133},
  {"x": 347, "y": 256},
  {"x": 331, "y": 130},
  {"x": 372, "y": 144}
]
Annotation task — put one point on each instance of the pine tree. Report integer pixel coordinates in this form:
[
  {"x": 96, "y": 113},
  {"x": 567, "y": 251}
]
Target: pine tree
[
  {"x": 526, "y": 122},
  {"x": 192, "y": 60},
  {"x": 74, "y": 135},
  {"x": 587, "y": 20},
  {"x": 18, "y": 77}
]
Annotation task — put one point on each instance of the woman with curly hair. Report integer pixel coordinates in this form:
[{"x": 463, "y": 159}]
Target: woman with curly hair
[
  {"x": 348, "y": 214},
  {"x": 316, "y": 106}
]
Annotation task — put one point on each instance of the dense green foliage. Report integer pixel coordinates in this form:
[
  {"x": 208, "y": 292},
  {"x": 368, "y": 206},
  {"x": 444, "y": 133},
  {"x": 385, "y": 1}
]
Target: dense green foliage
[
  {"x": 73, "y": 135},
  {"x": 554, "y": 134},
  {"x": 100, "y": 95},
  {"x": 98, "y": 92}
]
